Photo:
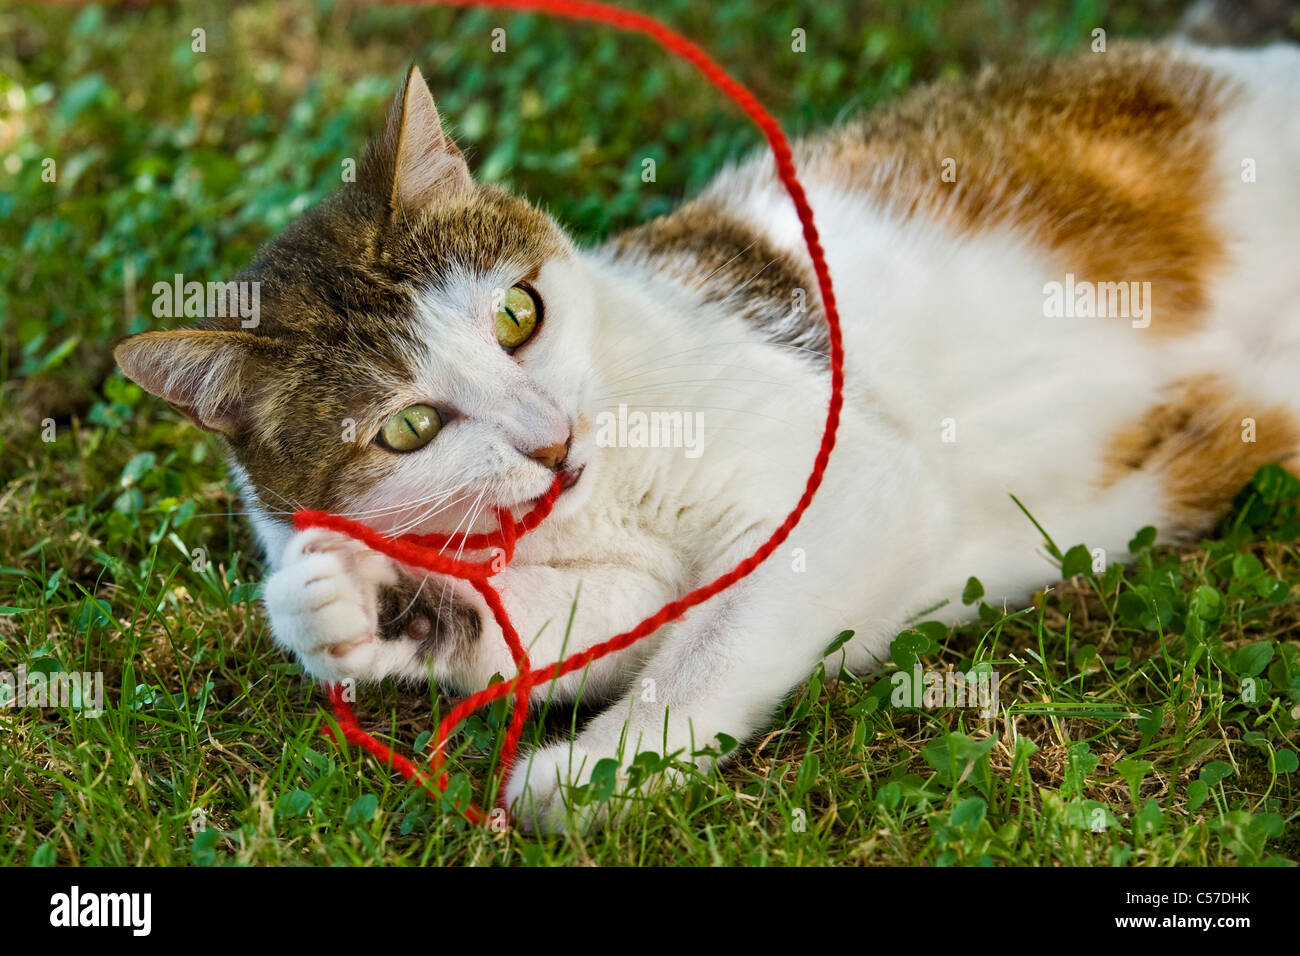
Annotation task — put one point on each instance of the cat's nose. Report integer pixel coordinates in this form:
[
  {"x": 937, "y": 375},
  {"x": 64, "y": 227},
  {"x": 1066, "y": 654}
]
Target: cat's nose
[{"x": 552, "y": 456}]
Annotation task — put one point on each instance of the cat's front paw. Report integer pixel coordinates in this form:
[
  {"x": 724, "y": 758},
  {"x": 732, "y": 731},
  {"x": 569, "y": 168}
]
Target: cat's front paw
[{"x": 323, "y": 604}]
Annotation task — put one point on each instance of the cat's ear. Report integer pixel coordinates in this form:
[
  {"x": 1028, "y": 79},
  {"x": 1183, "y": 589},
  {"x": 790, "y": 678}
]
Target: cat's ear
[
  {"x": 207, "y": 376},
  {"x": 414, "y": 162}
]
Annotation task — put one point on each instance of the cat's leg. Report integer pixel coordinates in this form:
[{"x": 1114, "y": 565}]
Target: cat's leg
[
  {"x": 723, "y": 669},
  {"x": 349, "y": 612}
]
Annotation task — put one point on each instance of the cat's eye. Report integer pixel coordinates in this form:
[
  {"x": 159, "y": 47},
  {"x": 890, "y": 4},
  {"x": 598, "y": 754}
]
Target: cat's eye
[
  {"x": 411, "y": 428},
  {"x": 516, "y": 317}
]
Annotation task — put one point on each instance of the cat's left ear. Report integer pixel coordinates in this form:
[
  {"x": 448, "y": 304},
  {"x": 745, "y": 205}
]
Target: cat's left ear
[{"x": 414, "y": 162}]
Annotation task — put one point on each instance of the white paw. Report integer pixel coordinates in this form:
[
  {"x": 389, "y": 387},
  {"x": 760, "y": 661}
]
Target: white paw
[
  {"x": 538, "y": 787},
  {"x": 323, "y": 603},
  {"x": 539, "y": 792}
]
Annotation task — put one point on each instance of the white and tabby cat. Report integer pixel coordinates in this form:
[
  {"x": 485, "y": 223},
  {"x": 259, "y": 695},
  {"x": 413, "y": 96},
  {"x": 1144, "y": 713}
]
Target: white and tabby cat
[{"x": 476, "y": 352}]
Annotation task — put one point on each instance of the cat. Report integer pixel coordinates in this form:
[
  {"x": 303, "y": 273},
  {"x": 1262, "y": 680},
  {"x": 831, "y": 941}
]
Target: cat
[{"x": 1073, "y": 281}]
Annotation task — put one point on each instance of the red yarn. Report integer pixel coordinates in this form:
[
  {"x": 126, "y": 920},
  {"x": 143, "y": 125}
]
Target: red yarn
[{"x": 413, "y": 549}]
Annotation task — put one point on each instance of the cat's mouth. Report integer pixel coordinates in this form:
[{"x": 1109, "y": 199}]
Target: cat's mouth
[{"x": 568, "y": 478}]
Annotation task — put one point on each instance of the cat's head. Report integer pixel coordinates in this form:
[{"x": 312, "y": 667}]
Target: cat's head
[{"x": 421, "y": 348}]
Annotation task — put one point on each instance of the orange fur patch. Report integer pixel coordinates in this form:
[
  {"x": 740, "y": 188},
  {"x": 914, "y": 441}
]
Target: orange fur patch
[
  {"x": 1104, "y": 158},
  {"x": 1195, "y": 441}
]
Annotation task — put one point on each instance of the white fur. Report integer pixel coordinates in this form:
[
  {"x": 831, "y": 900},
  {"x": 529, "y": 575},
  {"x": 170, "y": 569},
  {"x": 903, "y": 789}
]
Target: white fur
[{"x": 936, "y": 327}]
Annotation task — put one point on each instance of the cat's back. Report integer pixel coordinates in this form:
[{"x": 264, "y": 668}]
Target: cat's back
[{"x": 1117, "y": 164}]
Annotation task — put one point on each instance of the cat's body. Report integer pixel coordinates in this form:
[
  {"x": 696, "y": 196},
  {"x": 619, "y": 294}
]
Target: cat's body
[{"x": 960, "y": 388}]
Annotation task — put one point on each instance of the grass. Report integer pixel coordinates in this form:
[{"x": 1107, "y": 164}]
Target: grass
[{"x": 1150, "y": 715}]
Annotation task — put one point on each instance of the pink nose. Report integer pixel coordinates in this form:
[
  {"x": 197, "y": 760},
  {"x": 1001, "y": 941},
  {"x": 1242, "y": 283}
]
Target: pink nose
[{"x": 551, "y": 455}]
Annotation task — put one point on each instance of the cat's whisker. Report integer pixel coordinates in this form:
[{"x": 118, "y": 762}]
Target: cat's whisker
[
  {"x": 730, "y": 261},
  {"x": 467, "y": 521},
  {"x": 439, "y": 509},
  {"x": 434, "y": 498},
  {"x": 418, "y": 521},
  {"x": 241, "y": 514},
  {"x": 742, "y": 286},
  {"x": 429, "y": 513},
  {"x": 260, "y": 490},
  {"x": 413, "y": 514}
]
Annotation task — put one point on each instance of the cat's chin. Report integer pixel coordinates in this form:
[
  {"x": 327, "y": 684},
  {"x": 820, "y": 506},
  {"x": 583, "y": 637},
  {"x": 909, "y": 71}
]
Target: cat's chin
[{"x": 573, "y": 491}]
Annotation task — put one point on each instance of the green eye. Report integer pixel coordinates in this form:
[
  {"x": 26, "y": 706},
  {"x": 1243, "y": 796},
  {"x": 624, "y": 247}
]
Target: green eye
[
  {"x": 411, "y": 428},
  {"x": 517, "y": 317}
]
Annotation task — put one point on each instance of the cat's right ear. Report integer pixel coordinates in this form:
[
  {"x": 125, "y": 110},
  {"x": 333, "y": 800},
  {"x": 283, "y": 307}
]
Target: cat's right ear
[
  {"x": 414, "y": 162},
  {"x": 207, "y": 376}
]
